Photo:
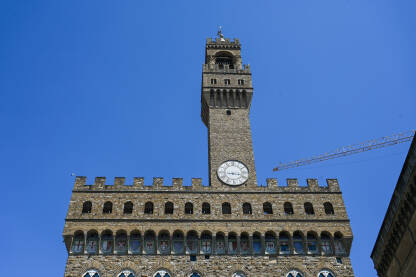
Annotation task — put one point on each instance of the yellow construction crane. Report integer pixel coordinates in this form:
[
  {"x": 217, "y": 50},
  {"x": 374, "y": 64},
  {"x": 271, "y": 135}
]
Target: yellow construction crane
[{"x": 351, "y": 149}]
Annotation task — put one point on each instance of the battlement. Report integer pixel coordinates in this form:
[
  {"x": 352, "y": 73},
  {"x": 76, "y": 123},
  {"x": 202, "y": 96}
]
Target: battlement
[
  {"x": 223, "y": 43},
  {"x": 214, "y": 68},
  {"x": 177, "y": 184}
]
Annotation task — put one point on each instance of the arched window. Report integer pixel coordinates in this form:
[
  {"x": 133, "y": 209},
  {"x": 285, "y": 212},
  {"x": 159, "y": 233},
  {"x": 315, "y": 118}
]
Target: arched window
[
  {"x": 162, "y": 273},
  {"x": 288, "y": 208},
  {"x": 189, "y": 208},
  {"x": 206, "y": 208},
  {"x": 178, "y": 242},
  {"x": 257, "y": 249},
  {"x": 267, "y": 208},
  {"x": 128, "y": 207},
  {"x": 135, "y": 242},
  {"x": 270, "y": 243},
  {"x": 107, "y": 242},
  {"x": 206, "y": 242},
  {"x": 92, "y": 242},
  {"x": 224, "y": 58},
  {"x": 126, "y": 273},
  {"x": 121, "y": 242},
  {"x": 108, "y": 207},
  {"x": 326, "y": 243},
  {"x": 326, "y": 273},
  {"x": 298, "y": 243},
  {"x": 168, "y": 208},
  {"x": 195, "y": 274},
  {"x": 148, "y": 208},
  {"x": 247, "y": 208},
  {"x": 329, "y": 209},
  {"x": 309, "y": 208},
  {"x": 150, "y": 242},
  {"x": 232, "y": 243},
  {"x": 339, "y": 244},
  {"x": 91, "y": 273},
  {"x": 226, "y": 208},
  {"x": 164, "y": 242},
  {"x": 244, "y": 244},
  {"x": 294, "y": 273},
  {"x": 220, "y": 243},
  {"x": 284, "y": 243},
  {"x": 312, "y": 243},
  {"x": 192, "y": 242},
  {"x": 86, "y": 207},
  {"x": 239, "y": 274},
  {"x": 78, "y": 242}
]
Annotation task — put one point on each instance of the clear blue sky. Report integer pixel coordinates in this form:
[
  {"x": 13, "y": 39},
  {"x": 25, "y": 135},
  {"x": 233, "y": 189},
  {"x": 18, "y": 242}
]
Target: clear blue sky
[{"x": 112, "y": 88}]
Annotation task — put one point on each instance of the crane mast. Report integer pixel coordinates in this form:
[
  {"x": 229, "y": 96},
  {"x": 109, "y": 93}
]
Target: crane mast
[{"x": 351, "y": 149}]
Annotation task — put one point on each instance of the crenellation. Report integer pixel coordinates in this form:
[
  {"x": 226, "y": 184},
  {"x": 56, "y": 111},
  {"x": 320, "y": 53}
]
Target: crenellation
[
  {"x": 312, "y": 184},
  {"x": 100, "y": 182},
  {"x": 196, "y": 182},
  {"x": 119, "y": 182},
  {"x": 138, "y": 182},
  {"x": 333, "y": 185},
  {"x": 157, "y": 182},
  {"x": 271, "y": 183},
  {"x": 292, "y": 183}
]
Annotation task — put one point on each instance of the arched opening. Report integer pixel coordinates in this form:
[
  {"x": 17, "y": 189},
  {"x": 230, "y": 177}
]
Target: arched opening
[
  {"x": 298, "y": 243},
  {"x": 329, "y": 209},
  {"x": 225, "y": 98},
  {"x": 162, "y": 273},
  {"x": 294, "y": 273},
  {"x": 232, "y": 243},
  {"x": 244, "y": 243},
  {"x": 92, "y": 242},
  {"x": 189, "y": 208},
  {"x": 206, "y": 208},
  {"x": 224, "y": 58},
  {"x": 150, "y": 242},
  {"x": 339, "y": 244},
  {"x": 312, "y": 243},
  {"x": 226, "y": 208},
  {"x": 326, "y": 243},
  {"x": 192, "y": 242},
  {"x": 288, "y": 208},
  {"x": 148, "y": 208},
  {"x": 107, "y": 242},
  {"x": 239, "y": 274},
  {"x": 168, "y": 208},
  {"x": 108, "y": 207},
  {"x": 218, "y": 99},
  {"x": 284, "y": 242},
  {"x": 164, "y": 242},
  {"x": 135, "y": 242},
  {"x": 326, "y": 273},
  {"x": 270, "y": 243},
  {"x": 211, "y": 98},
  {"x": 244, "y": 100},
  {"x": 257, "y": 249},
  {"x": 78, "y": 242},
  {"x": 91, "y": 273},
  {"x": 178, "y": 242},
  {"x": 237, "y": 99},
  {"x": 206, "y": 242},
  {"x": 309, "y": 208},
  {"x": 86, "y": 207},
  {"x": 267, "y": 208},
  {"x": 121, "y": 242},
  {"x": 220, "y": 243},
  {"x": 128, "y": 207},
  {"x": 126, "y": 273},
  {"x": 247, "y": 208}
]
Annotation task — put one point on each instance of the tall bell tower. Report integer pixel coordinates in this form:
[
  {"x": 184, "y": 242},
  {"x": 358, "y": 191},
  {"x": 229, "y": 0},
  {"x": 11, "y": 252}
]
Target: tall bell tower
[{"x": 225, "y": 106}]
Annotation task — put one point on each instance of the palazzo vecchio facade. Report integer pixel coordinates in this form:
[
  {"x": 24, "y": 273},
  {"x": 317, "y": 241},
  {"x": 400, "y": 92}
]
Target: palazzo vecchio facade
[{"x": 231, "y": 226}]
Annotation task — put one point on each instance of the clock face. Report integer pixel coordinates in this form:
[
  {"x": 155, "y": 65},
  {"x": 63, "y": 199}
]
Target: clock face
[{"x": 233, "y": 173}]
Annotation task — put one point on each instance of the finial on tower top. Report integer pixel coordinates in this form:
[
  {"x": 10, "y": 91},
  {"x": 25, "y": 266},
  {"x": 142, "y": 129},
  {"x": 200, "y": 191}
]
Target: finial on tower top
[{"x": 220, "y": 34}]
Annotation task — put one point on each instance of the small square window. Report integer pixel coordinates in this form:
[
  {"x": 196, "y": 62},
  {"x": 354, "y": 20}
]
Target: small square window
[
  {"x": 213, "y": 81},
  {"x": 192, "y": 258},
  {"x": 227, "y": 81},
  {"x": 206, "y": 257},
  {"x": 339, "y": 260},
  {"x": 241, "y": 82}
]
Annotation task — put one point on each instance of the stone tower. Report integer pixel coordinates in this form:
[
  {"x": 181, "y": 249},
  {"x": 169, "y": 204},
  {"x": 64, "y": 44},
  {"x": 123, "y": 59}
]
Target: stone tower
[{"x": 230, "y": 226}]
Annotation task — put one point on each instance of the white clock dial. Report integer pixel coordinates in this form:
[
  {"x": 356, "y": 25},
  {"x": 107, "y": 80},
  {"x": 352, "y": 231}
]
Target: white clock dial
[{"x": 233, "y": 173}]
